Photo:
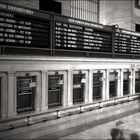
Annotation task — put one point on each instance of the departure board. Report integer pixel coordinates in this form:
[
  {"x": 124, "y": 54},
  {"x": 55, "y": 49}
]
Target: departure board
[
  {"x": 18, "y": 27},
  {"x": 127, "y": 42},
  {"x": 80, "y": 37}
]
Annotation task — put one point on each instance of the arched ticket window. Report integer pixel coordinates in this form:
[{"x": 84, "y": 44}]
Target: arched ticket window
[
  {"x": 55, "y": 90},
  {"x": 126, "y": 83},
  {"x": 97, "y": 86},
  {"x": 112, "y": 85},
  {"x": 78, "y": 87},
  {"x": 26, "y": 92}
]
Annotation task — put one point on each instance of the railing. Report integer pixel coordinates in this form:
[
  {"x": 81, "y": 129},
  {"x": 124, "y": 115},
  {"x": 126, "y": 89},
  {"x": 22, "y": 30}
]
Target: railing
[
  {"x": 63, "y": 112},
  {"x": 29, "y": 31}
]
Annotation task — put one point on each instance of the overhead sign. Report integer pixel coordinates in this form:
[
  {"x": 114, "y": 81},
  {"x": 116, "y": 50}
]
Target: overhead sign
[{"x": 19, "y": 27}]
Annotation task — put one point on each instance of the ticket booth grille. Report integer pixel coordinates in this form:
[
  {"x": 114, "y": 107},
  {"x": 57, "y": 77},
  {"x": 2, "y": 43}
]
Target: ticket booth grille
[
  {"x": 78, "y": 88},
  {"x": 112, "y": 85},
  {"x": 97, "y": 86},
  {"x": 137, "y": 82},
  {"x": 55, "y": 90},
  {"x": 126, "y": 83},
  {"x": 26, "y": 88}
]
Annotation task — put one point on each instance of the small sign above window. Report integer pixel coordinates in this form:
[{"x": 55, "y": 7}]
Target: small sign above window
[{"x": 33, "y": 84}]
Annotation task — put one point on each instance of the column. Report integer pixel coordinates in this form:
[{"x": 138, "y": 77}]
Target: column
[
  {"x": 90, "y": 97},
  {"x": 104, "y": 85},
  {"x": 44, "y": 91},
  {"x": 131, "y": 82},
  {"x": 3, "y": 95},
  {"x": 121, "y": 84},
  {"x": 70, "y": 90},
  {"x": 38, "y": 94},
  {"x": 65, "y": 87},
  {"x": 11, "y": 95},
  {"x": 118, "y": 83},
  {"x": 86, "y": 97},
  {"x": 107, "y": 85}
]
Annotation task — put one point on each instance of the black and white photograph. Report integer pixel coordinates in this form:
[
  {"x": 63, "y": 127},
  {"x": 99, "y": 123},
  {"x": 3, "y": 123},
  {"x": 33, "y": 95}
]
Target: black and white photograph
[{"x": 70, "y": 69}]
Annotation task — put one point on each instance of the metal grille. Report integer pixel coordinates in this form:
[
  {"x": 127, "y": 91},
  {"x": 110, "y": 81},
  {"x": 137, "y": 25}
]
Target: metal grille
[
  {"x": 77, "y": 88},
  {"x": 126, "y": 83},
  {"x": 25, "y": 93},
  {"x": 97, "y": 86},
  {"x": 112, "y": 85},
  {"x": 55, "y": 90}
]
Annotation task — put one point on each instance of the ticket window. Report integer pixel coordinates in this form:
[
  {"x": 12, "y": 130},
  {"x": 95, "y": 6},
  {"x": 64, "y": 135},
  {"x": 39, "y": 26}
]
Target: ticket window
[
  {"x": 137, "y": 82},
  {"x": 97, "y": 86},
  {"x": 78, "y": 88},
  {"x": 112, "y": 85},
  {"x": 26, "y": 88},
  {"x": 126, "y": 82},
  {"x": 55, "y": 90}
]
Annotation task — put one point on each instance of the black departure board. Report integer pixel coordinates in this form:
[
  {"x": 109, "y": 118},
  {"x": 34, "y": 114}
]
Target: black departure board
[
  {"x": 80, "y": 37},
  {"x": 19, "y": 27},
  {"x": 127, "y": 42}
]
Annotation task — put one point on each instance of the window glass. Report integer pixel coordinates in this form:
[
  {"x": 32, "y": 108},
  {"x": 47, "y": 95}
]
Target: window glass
[
  {"x": 51, "y": 6},
  {"x": 86, "y": 9}
]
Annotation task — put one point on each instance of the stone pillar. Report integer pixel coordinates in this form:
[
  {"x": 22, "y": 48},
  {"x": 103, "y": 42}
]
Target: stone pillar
[
  {"x": 107, "y": 85},
  {"x": 65, "y": 87},
  {"x": 70, "y": 89},
  {"x": 86, "y": 96},
  {"x": 44, "y": 91},
  {"x": 103, "y": 79},
  {"x": 11, "y": 97},
  {"x": 121, "y": 84},
  {"x": 3, "y": 95},
  {"x": 90, "y": 97},
  {"x": 118, "y": 83},
  {"x": 131, "y": 82}
]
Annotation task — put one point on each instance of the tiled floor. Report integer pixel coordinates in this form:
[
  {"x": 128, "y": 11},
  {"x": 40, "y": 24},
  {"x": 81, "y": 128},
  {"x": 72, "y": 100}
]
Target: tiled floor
[{"x": 131, "y": 124}]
